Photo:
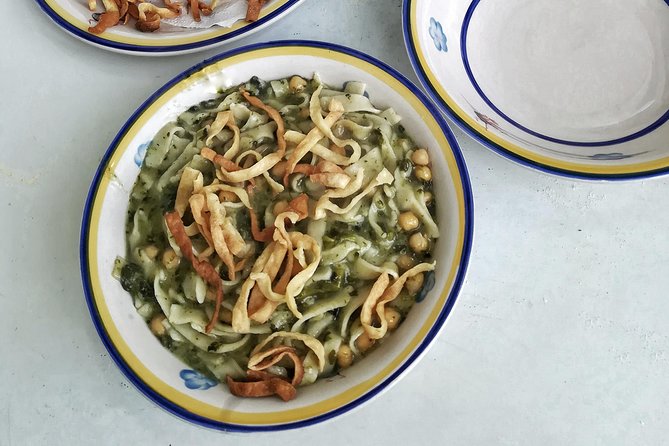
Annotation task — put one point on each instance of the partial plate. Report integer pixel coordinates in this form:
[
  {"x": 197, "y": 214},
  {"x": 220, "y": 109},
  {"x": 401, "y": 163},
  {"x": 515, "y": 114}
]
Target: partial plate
[
  {"x": 73, "y": 16},
  {"x": 575, "y": 88}
]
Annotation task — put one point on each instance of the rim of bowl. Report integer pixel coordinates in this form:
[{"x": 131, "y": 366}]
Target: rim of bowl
[
  {"x": 420, "y": 70},
  {"x": 411, "y": 359},
  {"x": 228, "y": 36}
]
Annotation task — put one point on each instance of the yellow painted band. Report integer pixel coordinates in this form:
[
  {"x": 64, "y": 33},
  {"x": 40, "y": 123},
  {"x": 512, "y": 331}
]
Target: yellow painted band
[
  {"x": 218, "y": 413},
  {"x": 596, "y": 169},
  {"x": 175, "y": 41}
]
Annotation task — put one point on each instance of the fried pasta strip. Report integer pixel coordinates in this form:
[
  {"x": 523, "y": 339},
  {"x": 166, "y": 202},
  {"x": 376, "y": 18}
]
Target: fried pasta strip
[
  {"x": 324, "y": 204},
  {"x": 203, "y": 268},
  {"x": 219, "y": 160},
  {"x": 264, "y": 359},
  {"x": 109, "y": 18},
  {"x": 266, "y": 384},
  {"x": 319, "y": 150},
  {"x": 224, "y": 119},
  {"x": 315, "y": 112},
  {"x": 149, "y": 15},
  {"x": 312, "y": 138},
  {"x": 191, "y": 182},
  {"x": 195, "y": 10},
  {"x": 216, "y": 224},
  {"x": 149, "y": 8},
  {"x": 267, "y": 162},
  {"x": 253, "y": 10},
  {"x": 264, "y": 387},
  {"x": 275, "y": 116},
  {"x": 299, "y": 205}
]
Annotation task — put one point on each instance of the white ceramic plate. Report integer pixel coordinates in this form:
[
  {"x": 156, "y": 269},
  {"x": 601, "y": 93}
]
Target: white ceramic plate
[
  {"x": 163, "y": 377},
  {"x": 74, "y": 17},
  {"x": 574, "y": 87}
]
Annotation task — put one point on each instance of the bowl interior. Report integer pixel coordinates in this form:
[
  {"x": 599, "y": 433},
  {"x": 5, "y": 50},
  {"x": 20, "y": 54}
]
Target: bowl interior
[
  {"x": 140, "y": 352},
  {"x": 572, "y": 86}
]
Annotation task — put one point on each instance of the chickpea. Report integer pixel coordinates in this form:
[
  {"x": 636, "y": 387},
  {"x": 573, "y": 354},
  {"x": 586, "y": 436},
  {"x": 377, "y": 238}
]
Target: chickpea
[
  {"x": 279, "y": 169},
  {"x": 227, "y": 196},
  {"x": 393, "y": 317},
  {"x": 408, "y": 221},
  {"x": 170, "y": 259},
  {"x": 156, "y": 325},
  {"x": 297, "y": 84},
  {"x": 405, "y": 262},
  {"x": 279, "y": 207},
  {"x": 414, "y": 283},
  {"x": 423, "y": 173},
  {"x": 418, "y": 242},
  {"x": 427, "y": 197},
  {"x": 420, "y": 157},
  {"x": 344, "y": 356},
  {"x": 151, "y": 251},
  {"x": 364, "y": 342}
]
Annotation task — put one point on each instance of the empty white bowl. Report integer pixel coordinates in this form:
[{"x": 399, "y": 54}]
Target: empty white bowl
[
  {"x": 579, "y": 88},
  {"x": 162, "y": 376}
]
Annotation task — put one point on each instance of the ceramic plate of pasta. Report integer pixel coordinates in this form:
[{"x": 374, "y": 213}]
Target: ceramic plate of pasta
[
  {"x": 276, "y": 236},
  {"x": 163, "y": 27}
]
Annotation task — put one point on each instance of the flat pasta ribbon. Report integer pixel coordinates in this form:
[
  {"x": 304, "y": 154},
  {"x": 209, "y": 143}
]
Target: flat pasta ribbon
[
  {"x": 312, "y": 138},
  {"x": 310, "y": 342},
  {"x": 267, "y": 162},
  {"x": 262, "y": 360},
  {"x": 262, "y": 388},
  {"x": 202, "y": 268},
  {"x": 324, "y": 204},
  {"x": 381, "y": 294},
  {"x": 224, "y": 119}
]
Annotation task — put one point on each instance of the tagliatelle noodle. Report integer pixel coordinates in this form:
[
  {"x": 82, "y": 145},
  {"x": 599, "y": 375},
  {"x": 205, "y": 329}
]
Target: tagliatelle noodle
[
  {"x": 312, "y": 138},
  {"x": 326, "y": 128},
  {"x": 204, "y": 269},
  {"x": 309, "y": 341},
  {"x": 324, "y": 203},
  {"x": 263, "y": 359},
  {"x": 191, "y": 182},
  {"x": 319, "y": 150},
  {"x": 225, "y": 119},
  {"x": 216, "y": 223},
  {"x": 382, "y": 293}
]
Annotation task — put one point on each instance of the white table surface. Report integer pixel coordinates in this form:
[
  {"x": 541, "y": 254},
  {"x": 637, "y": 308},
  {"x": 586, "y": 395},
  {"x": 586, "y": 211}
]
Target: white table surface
[{"x": 560, "y": 335}]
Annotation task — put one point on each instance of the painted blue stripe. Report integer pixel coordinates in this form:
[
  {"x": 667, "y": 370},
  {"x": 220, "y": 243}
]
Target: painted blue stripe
[
  {"x": 431, "y": 90},
  {"x": 429, "y": 338},
  {"x": 465, "y": 59},
  {"x": 141, "y": 49}
]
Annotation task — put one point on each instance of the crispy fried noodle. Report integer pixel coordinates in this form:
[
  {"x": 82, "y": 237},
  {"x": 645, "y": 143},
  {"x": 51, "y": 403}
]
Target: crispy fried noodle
[
  {"x": 147, "y": 15},
  {"x": 278, "y": 232}
]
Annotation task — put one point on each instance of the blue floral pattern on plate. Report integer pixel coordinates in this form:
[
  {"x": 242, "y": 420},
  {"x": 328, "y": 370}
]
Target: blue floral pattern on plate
[
  {"x": 196, "y": 380},
  {"x": 141, "y": 152},
  {"x": 438, "y": 36}
]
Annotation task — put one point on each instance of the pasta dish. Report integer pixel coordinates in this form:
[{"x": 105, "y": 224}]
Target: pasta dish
[{"x": 279, "y": 232}]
